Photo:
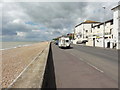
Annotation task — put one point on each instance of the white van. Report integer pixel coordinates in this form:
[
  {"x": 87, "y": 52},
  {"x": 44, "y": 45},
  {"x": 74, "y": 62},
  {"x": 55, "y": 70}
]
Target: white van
[{"x": 64, "y": 42}]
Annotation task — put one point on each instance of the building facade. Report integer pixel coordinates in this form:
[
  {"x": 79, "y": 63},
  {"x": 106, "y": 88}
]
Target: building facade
[
  {"x": 83, "y": 30},
  {"x": 105, "y": 34},
  {"x": 116, "y": 27},
  {"x": 101, "y": 38}
]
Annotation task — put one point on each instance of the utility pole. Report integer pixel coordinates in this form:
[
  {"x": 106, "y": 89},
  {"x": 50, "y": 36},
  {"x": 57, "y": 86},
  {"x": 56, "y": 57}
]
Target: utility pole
[{"x": 104, "y": 29}]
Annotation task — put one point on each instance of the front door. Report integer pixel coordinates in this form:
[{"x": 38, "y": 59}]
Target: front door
[
  {"x": 93, "y": 42},
  {"x": 108, "y": 44}
]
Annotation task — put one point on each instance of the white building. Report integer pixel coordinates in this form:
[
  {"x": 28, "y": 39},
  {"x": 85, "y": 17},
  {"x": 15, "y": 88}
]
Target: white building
[
  {"x": 82, "y": 31},
  {"x": 93, "y": 32},
  {"x": 116, "y": 27},
  {"x": 98, "y": 33}
]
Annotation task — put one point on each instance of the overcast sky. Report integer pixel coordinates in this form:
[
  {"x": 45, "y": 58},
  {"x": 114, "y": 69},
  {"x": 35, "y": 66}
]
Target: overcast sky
[{"x": 27, "y": 21}]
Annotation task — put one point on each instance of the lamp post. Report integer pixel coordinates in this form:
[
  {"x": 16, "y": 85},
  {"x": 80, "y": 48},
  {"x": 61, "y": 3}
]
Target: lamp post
[{"x": 104, "y": 29}]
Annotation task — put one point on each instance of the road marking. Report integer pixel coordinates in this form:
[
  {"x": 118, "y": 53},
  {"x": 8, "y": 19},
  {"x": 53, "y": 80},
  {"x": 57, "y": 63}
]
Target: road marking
[
  {"x": 95, "y": 67},
  {"x": 10, "y": 85},
  {"x": 89, "y": 64}
]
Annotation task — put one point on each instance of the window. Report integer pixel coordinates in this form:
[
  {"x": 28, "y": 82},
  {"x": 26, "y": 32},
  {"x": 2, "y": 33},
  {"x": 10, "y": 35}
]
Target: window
[
  {"x": 111, "y": 23},
  {"x": 67, "y": 40},
  {"x": 112, "y": 36},
  {"x": 80, "y": 35},
  {"x": 92, "y": 25},
  {"x": 110, "y": 31},
  {"x": 91, "y": 31},
  {"x": 105, "y": 37},
  {"x": 86, "y": 31},
  {"x": 98, "y": 26},
  {"x": 119, "y": 33}
]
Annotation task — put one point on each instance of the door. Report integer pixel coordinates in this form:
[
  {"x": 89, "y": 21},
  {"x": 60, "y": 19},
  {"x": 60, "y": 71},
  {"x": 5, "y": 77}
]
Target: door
[
  {"x": 108, "y": 44},
  {"x": 93, "y": 42}
]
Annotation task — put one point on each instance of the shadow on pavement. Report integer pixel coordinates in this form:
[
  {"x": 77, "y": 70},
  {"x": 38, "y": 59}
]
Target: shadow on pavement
[{"x": 49, "y": 76}]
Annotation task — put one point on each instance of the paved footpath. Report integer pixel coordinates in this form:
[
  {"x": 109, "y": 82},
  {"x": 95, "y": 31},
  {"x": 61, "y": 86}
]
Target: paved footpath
[{"x": 71, "y": 72}]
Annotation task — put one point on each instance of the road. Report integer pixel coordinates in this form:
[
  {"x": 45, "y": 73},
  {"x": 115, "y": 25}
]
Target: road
[{"x": 85, "y": 67}]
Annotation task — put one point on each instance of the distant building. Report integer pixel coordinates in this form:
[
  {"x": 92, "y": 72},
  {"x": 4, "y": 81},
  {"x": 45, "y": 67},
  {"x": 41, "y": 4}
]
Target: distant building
[
  {"x": 70, "y": 35},
  {"x": 82, "y": 31}
]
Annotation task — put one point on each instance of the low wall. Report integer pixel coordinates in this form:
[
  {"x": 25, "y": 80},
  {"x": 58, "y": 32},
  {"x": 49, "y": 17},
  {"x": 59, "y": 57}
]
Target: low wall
[{"x": 49, "y": 80}]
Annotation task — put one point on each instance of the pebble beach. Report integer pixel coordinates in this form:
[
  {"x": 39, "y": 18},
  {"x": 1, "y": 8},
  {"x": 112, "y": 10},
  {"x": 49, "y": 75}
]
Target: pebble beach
[{"x": 15, "y": 60}]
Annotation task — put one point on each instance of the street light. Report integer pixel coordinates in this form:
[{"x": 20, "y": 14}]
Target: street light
[{"x": 104, "y": 29}]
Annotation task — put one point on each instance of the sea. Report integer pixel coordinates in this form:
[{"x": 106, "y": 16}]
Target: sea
[{"x": 10, "y": 45}]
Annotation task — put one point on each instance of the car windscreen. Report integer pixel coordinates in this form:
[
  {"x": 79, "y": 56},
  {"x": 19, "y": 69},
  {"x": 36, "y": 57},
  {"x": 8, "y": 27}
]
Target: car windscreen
[{"x": 67, "y": 40}]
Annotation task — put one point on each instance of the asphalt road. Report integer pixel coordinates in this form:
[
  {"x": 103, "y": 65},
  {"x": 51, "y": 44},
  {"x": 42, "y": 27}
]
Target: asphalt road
[
  {"x": 104, "y": 59},
  {"x": 85, "y": 67}
]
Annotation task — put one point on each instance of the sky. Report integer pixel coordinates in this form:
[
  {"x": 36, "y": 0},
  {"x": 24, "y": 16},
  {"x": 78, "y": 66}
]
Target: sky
[{"x": 41, "y": 21}]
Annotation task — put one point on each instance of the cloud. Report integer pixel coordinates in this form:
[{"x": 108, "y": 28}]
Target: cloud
[
  {"x": 40, "y": 21},
  {"x": 21, "y": 34}
]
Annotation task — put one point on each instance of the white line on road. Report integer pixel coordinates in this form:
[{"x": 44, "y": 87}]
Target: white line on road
[
  {"x": 95, "y": 67},
  {"x": 89, "y": 64}
]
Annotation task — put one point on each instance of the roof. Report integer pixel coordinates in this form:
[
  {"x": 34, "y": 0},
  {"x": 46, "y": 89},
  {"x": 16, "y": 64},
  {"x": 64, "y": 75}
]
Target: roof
[
  {"x": 115, "y": 7},
  {"x": 111, "y": 20},
  {"x": 87, "y": 22}
]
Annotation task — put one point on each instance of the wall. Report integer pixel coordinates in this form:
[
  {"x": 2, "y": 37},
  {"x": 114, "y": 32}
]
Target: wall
[{"x": 116, "y": 17}]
